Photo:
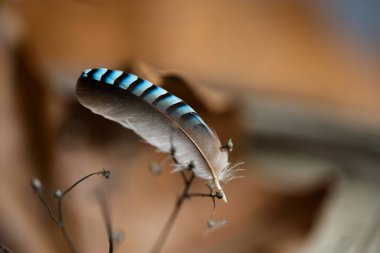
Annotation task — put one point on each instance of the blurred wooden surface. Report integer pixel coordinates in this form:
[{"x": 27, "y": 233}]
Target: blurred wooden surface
[
  {"x": 269, "y": 48},
  {"x": 280, "y": 67}
]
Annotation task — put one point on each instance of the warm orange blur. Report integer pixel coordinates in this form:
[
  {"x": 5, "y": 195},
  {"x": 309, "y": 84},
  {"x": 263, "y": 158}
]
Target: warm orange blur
[{"x": 295, "y": 84}]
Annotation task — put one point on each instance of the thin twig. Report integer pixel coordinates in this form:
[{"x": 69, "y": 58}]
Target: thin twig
[
  {"x": 183, "y": 177},
  {"x": 67, "y": 238},
  {"x": 4, "y": 249},
  {"x": 103, "y": 172},
  {"x": 173, "y": 216},
  {"x": 107, "y": 219},
  {"x": 61, "y": 223},
  {"x": 36, "y": 184},
  {"x": 44, "y": 202},
  {"x": 179, "y": 202},
  {"x": 190, "y": 195}
]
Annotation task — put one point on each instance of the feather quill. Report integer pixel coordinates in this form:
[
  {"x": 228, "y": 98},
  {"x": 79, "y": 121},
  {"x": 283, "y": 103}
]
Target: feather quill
[{"x": 160, "y": 118}]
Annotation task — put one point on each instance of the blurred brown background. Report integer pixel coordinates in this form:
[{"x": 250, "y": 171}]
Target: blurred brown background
[{"x": 296, "y": 84}]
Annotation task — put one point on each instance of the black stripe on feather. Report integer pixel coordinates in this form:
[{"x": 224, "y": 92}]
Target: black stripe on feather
[
  {"x": 134, "y": 85},
  {"x": 91, "y": 73},
  {"x": 105, "y": 75},
  {"x": 174, "y": 107},
  {"x": 162, "y": 97},
  {"x": 120, "y": 78},
  {"x": 148, "y": 91}
]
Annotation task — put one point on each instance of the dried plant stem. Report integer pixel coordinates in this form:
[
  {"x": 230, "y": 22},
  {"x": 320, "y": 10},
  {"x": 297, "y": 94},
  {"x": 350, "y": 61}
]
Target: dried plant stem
[
  {"x": 178, "y": 204},
  {"x": 59, "y": 221},
  {"x": 67, "y": 237},
  {"x": 4, "y": 249},
  {"x": 103, "y": 172},
  {"x": 107, "y": 219},
  {"x": 59, "y": 197},
  {"x": 173, "y": 216},
  {"x": 44, "y": 202}
]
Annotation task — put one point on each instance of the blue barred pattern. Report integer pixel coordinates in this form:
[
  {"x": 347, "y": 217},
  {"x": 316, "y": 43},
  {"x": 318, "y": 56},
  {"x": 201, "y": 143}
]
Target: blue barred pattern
[
  {"x": 98, "y": 74},
  {"x": 127, "y": 81},
  {"x": 110, "y": 79},
  {"x": 147, "y": 91}
]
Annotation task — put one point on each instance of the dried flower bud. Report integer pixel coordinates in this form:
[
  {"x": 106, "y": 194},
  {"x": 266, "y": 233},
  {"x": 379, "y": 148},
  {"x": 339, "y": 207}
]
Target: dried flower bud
[
  {"x": 118, "y": 236},
  {"x": 210, "y": 223},
  {"x": 155, "y": 169},
  {"x": 106, "y": 173},
  {"x": 58, "y": 194},
  {"x": 230, "y": 145},
  {"x": 214, "y": 225},
  {"x": 36, "y": 184},
  {"x": 219, "y": 194}
]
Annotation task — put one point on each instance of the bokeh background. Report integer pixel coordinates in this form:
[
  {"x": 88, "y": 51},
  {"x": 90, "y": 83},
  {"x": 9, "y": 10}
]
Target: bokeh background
[{"x": 295, "y": 84}]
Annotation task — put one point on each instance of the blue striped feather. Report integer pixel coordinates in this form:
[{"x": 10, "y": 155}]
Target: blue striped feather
[
  {"x": 149, "y": 92},
  {"x": 159, "y": 117},
  {"x": 110, "y": 79}
]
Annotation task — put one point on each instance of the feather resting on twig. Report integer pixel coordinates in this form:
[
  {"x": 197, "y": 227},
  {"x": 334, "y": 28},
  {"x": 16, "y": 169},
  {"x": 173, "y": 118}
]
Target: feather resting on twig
[{"x": 160, "y": 118}]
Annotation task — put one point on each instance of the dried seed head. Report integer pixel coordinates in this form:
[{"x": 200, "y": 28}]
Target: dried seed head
[
  {"x": 106, "y": 173},
  {"x": 118, "y": 236},
  {"x": 210, "y": 223},
  {"x": 155, "y": 169},
  {"x": 219, "y": 194},
  {"x": 214, "y": 225},
  {"x": 36, "y": 184},
  {"x": 230, "y": 145},
  {"x": 58, "y": 194}
]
